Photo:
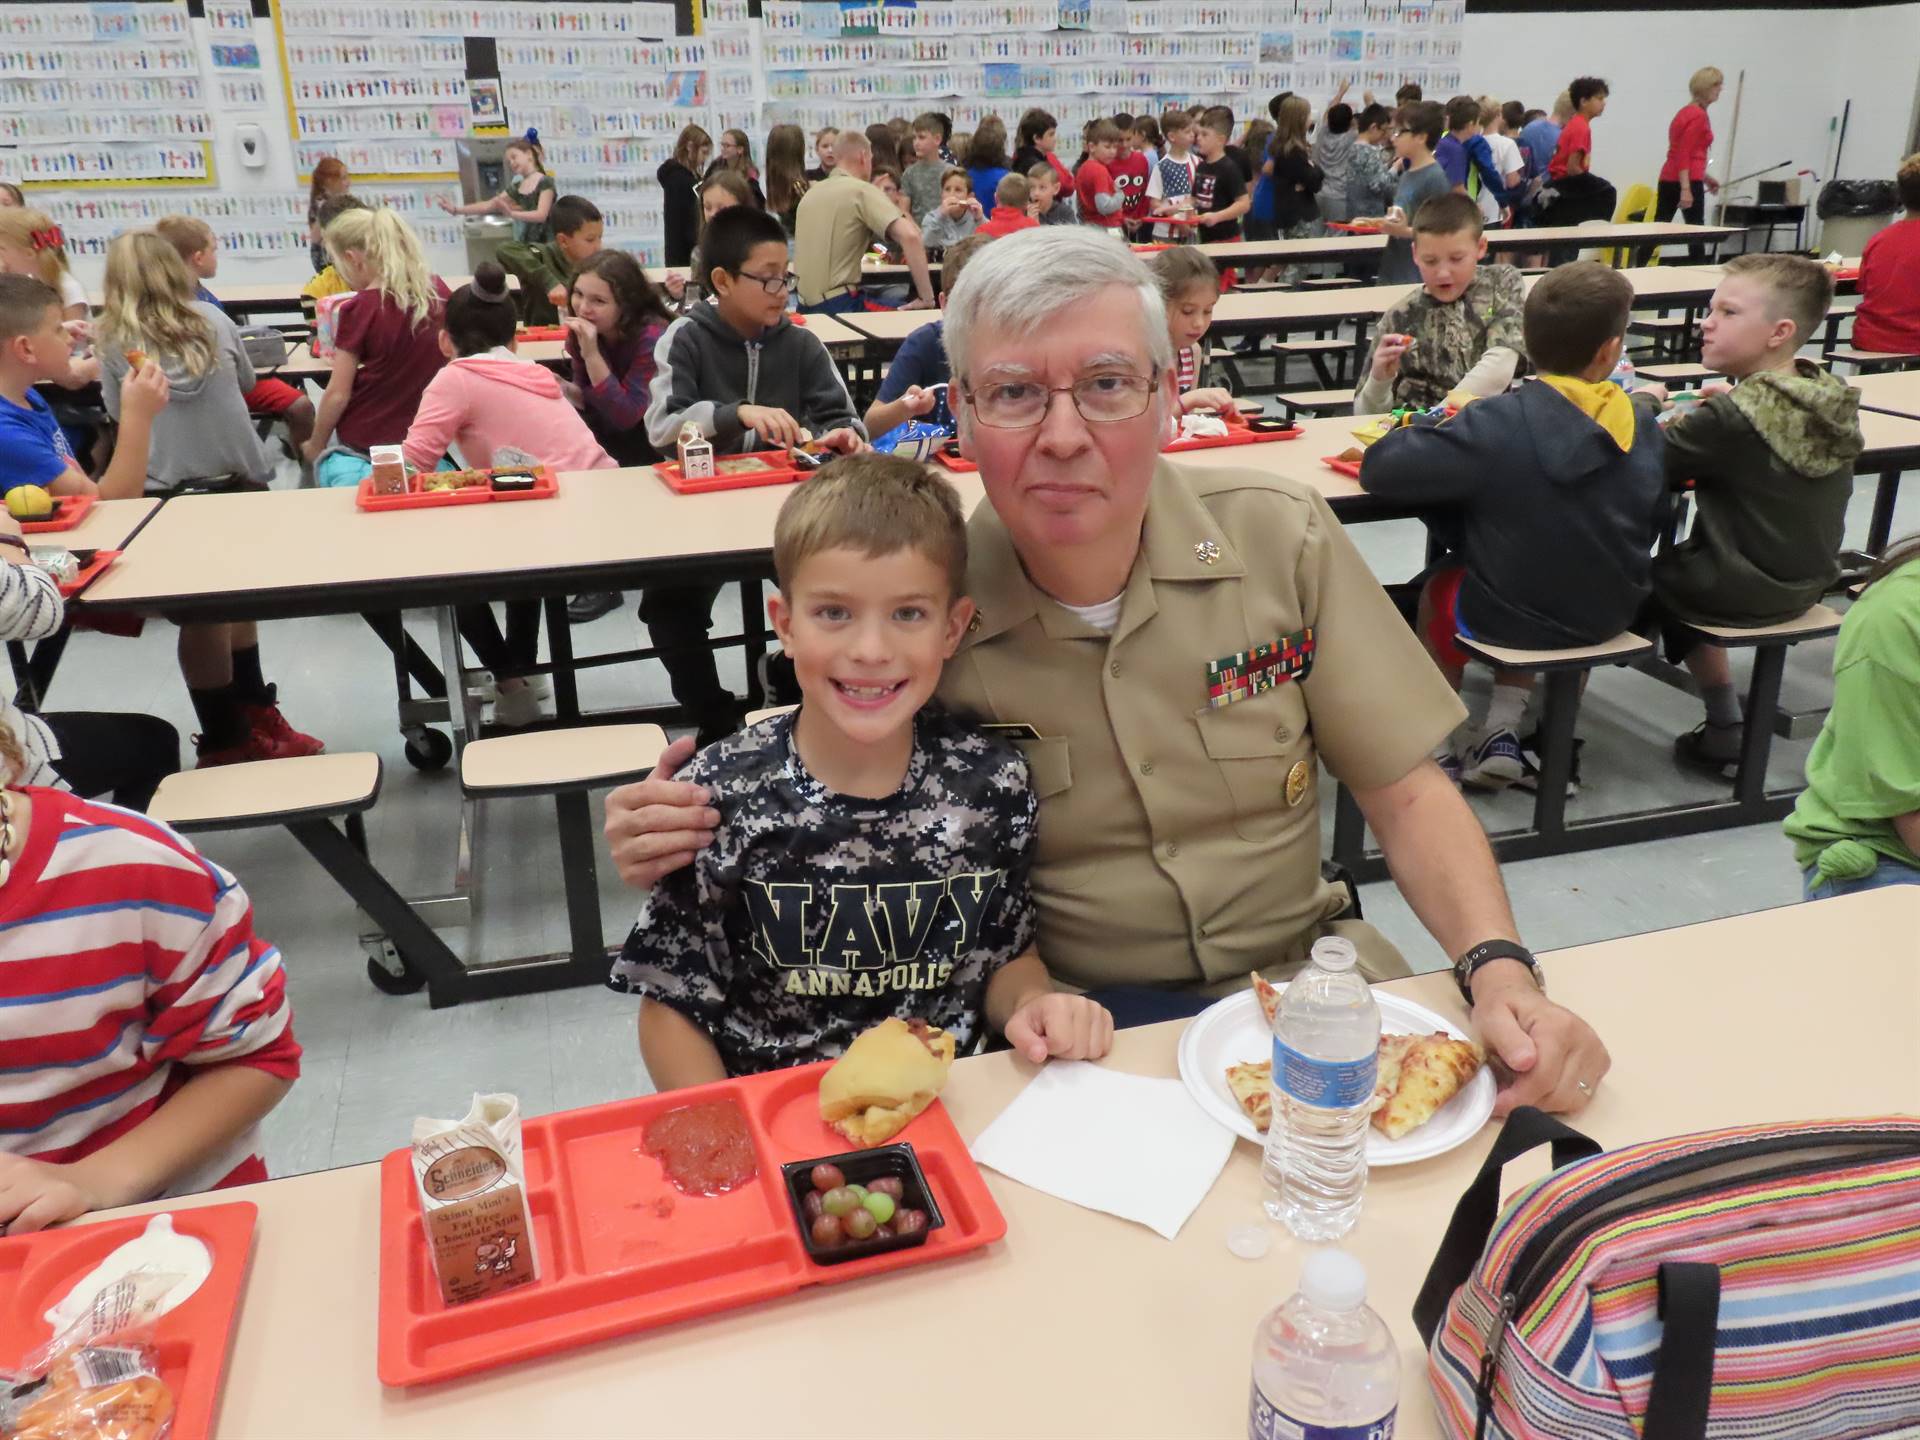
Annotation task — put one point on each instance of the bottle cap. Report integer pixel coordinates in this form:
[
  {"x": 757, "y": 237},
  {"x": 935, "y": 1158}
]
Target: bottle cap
[
  {"x": 1334, "y": 1280},
  {"x": 1330, "y": 952}
]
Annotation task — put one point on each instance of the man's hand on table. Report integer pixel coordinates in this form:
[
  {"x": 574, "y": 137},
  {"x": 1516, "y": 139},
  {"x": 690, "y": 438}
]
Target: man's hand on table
[
  {"x": 1544, "y": 1054},
  {"x": 1060, "y": 1027},
  {"x": 656, "y": 825},
  {"x": 34, "y": 1195}
]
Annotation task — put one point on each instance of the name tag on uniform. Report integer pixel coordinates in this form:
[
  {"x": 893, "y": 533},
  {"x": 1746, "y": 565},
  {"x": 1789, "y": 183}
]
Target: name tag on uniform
[
  {"x": 1012, "y": 729},
  {"x": 1236, "y": 677}
]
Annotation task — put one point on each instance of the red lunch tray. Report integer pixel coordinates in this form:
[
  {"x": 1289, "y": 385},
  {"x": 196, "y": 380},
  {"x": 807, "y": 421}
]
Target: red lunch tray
[
  {"x": 89, "y": 572},
  {"x": 528, "y": 334},
  {"x": 68, "y": 511},
  {"x": 37, "y": 1270},
  {"x": 1345, "y": 467},
  {"x": 620, "y": 1249},
  {"x": 1350, "y": 229},
  {"x": 1238, "y": 433},
  {"x": 959, "y": 464},
  {"x": 1847, "y": 272},
  {"x": 546, "y": 485},
  {"x": 780, "y": 471}
]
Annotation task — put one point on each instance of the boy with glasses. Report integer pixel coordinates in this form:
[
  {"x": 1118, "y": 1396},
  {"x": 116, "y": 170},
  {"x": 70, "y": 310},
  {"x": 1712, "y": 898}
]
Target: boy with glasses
[{"x": 743, "y": 375}]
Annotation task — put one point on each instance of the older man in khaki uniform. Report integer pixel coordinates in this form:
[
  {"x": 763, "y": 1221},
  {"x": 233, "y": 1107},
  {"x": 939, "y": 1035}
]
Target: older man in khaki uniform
[
  {"x": 838, "y": 218},
  {"x": 1174, "y": 649}
]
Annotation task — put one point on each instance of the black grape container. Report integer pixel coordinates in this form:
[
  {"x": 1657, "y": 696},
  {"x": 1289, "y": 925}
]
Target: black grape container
[{"x": 861, "y": 1167}]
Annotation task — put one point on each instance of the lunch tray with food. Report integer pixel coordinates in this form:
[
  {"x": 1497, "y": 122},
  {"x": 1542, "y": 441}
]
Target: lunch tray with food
[
  {"x": 1370, "y": 226},
  {"x": 186, "y": 1346},
  {"x": 68, "y": 511},
  {"x": 92, "y": 564},
  {"x": 666, "y": 1207},
  {"x": 431, "y": 489},
  {"x": 532, "y": 334},
  {"x": 736, "y": 472},
  {"x": 1342, "y": 464},
  {"x": 1241, "y": 430},
  {"x": 949, "y": 455}
]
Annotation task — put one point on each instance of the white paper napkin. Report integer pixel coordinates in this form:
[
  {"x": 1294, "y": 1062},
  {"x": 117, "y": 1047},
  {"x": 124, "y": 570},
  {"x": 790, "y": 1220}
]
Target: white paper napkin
[{"x": 1133, "y": 1147}]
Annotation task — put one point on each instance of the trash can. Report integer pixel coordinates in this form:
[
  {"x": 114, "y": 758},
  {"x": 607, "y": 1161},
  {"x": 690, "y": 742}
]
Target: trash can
[{"x": 1851, "y": 211}]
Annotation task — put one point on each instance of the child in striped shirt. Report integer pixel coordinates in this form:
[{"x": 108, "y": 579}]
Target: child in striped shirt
[{"x": 144, "y": 1027}]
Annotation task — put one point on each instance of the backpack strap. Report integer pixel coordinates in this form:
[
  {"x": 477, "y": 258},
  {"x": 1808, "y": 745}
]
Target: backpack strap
[
  {"x": 1683, "y": 1368},
  {"x": 1526, "y": 1129}
]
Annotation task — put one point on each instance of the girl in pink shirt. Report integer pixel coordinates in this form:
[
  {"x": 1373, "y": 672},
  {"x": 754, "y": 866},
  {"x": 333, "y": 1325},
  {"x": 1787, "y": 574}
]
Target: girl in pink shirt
[{"x": 486, "y": 401}]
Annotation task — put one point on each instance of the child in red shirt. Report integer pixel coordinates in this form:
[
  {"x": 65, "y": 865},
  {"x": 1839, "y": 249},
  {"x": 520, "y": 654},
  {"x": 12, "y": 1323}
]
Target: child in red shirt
[
  {"x": 144, "y": 1026},
  {"x": 1101, "y": 202},
  {"x": 1130, "y": 171},
  {"x": 1011, "y": 197},
  {"x": 1888, "y": 319}
]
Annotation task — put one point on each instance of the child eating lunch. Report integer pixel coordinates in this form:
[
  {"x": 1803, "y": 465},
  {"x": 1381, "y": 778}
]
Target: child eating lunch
[
  {"x": 873, "y": 853},
  {"x": 1190, "y": 285}
]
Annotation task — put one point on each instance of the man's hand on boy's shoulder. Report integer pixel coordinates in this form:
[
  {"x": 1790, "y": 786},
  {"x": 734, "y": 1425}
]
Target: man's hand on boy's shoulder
[
  {"x": 657, "y": 825},
  {"x": 1060, "y": 1027}
]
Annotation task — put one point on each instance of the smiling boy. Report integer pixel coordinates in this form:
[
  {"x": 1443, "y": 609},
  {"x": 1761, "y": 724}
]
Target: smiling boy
[
  {"x": 1461, "y": 330},
  {"x": 873, "y": 854}
]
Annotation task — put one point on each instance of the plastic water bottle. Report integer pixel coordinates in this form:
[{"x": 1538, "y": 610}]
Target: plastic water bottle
[
  {"x": 1326, "y": 1042},
  {"x": 1623, "y": 374},
  {"x": 1324, "y": 1365}
]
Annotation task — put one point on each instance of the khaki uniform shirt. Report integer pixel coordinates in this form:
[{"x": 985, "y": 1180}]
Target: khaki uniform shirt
[
  {"x": 1179, "y": 844},
  {"x": 838, "y": 218}
]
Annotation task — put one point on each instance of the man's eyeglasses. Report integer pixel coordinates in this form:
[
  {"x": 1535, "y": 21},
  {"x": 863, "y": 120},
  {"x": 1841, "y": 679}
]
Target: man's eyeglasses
[
  {"x": 1101, "y": 399},
  {"x": 772, "y": 284}
]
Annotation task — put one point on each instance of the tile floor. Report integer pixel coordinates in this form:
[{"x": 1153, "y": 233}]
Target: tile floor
[{"x": 374, "y": 1061}]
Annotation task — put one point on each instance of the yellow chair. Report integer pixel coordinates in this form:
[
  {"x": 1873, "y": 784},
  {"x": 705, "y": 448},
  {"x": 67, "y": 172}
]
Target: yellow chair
[{"x": 1636, "y": 208}]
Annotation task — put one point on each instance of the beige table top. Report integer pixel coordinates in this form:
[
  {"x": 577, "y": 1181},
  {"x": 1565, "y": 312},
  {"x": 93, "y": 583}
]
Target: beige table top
[
  {"x": 1890, "y": 390},
  {"x": 1652, "y": 284},
  {"x": 108, "y": 526},
  {"x": 301, "y": 364},
  {"x": 1027, "y": 1337},
  {"x": 305, "y": 543}
]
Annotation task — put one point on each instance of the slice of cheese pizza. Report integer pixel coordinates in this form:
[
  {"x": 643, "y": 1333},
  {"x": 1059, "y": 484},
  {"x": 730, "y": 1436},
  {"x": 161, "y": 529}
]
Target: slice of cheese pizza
[
  {"x": 1268, "y": 997},
  {"x": 1432, "y": 1070},
  {"x": 1252, "y": 1086}
]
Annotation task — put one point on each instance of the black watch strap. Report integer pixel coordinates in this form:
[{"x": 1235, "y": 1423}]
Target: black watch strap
[{"x": 1485, "y": 953}]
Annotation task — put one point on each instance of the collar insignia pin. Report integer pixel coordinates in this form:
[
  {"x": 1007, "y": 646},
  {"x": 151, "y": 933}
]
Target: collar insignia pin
[{"x": 1206, "y": 552}]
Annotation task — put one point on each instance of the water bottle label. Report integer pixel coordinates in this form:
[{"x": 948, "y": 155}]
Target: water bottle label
[
  {"x": 1266, "y": 1421},
  {"x": 1323, "y": 1084}
]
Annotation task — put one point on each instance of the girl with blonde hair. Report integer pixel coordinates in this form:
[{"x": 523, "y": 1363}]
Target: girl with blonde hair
[
  {"x": 31, "y": 244},
  {"x": 386, "y": 343},
  {"x": 203, "y": 441},
  {"x": 786, "y": 171},
  {"x": 1684, "y": 181}
]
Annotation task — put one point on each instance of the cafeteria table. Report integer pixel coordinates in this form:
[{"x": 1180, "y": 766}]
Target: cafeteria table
[
  {"x": 1079, "y": 1324},
  {"x": 1895, "y": 391},
  {"x": 107, "y": 525}
]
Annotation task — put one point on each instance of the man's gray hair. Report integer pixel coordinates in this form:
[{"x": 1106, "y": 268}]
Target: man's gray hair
[{"x": 1021, "y": 282}]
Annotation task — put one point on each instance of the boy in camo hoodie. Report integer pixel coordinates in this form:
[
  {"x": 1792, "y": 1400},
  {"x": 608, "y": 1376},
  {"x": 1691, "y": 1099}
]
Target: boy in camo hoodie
[{"x": 1771, "y": 460}]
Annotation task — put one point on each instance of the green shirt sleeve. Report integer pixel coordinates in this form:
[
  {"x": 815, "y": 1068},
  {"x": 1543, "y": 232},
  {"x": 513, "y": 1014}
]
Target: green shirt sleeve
[{"x": 1872, "y": 770}]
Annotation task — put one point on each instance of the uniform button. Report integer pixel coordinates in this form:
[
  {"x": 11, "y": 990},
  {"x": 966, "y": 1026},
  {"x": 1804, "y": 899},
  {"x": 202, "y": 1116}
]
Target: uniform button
[
  {"x": 1146, "y": 767},
  {"x": 1206, "y": 932},
  {"x": 1281, "y": 733},
  {"x": 1114, "y": 668},
  {"x": 1173, "y": 849}
]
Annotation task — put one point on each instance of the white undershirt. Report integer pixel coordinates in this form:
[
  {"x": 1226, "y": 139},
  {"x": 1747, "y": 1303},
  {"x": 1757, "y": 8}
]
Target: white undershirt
[{"x": 1103, "y": 617}]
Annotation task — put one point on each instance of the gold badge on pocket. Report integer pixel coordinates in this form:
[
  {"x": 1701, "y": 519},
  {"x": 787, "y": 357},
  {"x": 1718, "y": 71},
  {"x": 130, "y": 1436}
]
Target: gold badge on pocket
[{"x": 1297, "y": 779}]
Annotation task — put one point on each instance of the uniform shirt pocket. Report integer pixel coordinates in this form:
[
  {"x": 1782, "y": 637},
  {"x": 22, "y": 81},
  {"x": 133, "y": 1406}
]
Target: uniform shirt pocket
[
  {"x": 1253, "y": 744},
  {"x": 1050, "y": 772}
]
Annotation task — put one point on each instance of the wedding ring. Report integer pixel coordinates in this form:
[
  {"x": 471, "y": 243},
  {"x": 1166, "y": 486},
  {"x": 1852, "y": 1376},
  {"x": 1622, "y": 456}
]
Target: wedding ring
[{"x": 1584, "y": 1088}]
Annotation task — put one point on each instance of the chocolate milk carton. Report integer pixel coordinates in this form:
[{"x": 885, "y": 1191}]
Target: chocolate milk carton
[{"x": 473, "y": 1197}]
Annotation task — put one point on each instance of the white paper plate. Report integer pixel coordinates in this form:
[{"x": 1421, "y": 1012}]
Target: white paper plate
[{"x": 1233, "y": 1032}]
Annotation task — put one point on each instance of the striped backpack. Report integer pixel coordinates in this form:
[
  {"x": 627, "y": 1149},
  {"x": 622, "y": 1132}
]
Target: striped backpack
[{"x": 1758, "y": 1282}]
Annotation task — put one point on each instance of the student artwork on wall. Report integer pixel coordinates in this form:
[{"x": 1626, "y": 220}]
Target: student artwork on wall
[{"x": 1081, "y": 59}]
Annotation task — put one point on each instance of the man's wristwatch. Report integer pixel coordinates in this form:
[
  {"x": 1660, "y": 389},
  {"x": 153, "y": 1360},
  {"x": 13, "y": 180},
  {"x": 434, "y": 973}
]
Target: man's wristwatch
[{"x": 1485, "y": 954}]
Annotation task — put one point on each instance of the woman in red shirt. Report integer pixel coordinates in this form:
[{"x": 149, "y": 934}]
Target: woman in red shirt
[
  {"x": 1889, "y": 315},
  {"x": 1684, "y": 181}
]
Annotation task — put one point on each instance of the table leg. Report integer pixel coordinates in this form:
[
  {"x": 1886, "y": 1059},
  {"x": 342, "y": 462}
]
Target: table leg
[
  {"x": 581, "y": 879},
  {"x": 1756, "y": 741},
  {"x": 463, "y": 715},
  {"x": 566, "y": 682},
  {"x": 1885, "y": 496},
  {"x": 753, "y": 625}
]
